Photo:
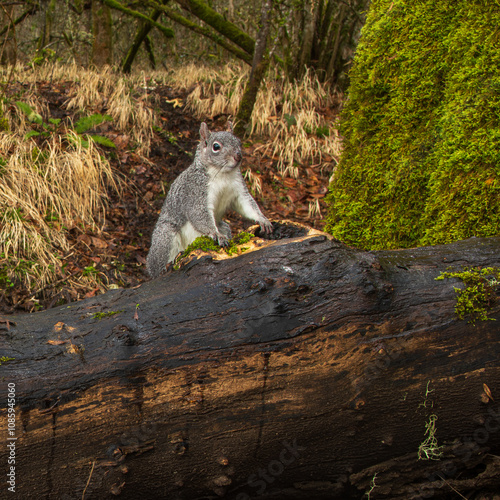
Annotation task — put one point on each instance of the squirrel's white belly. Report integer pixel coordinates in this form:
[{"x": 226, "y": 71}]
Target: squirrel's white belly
[{"x": 221, "y": 193}]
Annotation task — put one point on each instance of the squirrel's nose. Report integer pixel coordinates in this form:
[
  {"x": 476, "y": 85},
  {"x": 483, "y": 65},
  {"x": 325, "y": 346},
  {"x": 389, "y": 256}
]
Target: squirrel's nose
[{"x": 237, "y": 156}]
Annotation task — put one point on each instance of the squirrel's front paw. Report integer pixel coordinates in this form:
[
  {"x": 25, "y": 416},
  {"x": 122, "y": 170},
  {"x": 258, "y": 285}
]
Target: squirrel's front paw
[
  {"x": 266, "y": 226},
  {"x": 222, "y": 240}
]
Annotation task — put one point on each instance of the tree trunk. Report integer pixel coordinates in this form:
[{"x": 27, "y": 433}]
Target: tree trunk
[
  {"x": 260, "y": 64},
  {"x": 336, "y": 46},
  {"x": 45, "y": 35},
  {"x": 319, "y": 36},
  {"x": 303, "y": 369},
  {"x": 304, "y": 57},
  {"x": 8, "y": 50},
  {"x": 102, "y": 30},
  {"x": 208, "y": 15},
  {"x": 140, "y": 37},
  {"x": 115, "y": 4},
  {"x": 207, "y": 32},
  {"x": 148, "y": 45}
]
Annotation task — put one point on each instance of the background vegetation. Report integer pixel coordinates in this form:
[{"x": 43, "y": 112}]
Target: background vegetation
[
  {"x": 91, "y": 132},
  {"x": 101, "y": 102},
  {"x": 421, "y": 127}
]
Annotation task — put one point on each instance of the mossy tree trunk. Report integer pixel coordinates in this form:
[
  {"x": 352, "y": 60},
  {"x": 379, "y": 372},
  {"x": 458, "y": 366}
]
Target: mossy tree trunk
[
  {"x": 115, "y": 4},
  {"x": 312, "y": 372},
  {"x": 148, "y": 45},
  {"x": 209, "y": 33},
  {"x": 414, "y": 132},
  {"x": 260, "y": 65},
  {"x": 102, "y": 31},
  {"x": 140, "y": 37},
  {"x": 208, "y": 15},
  {"x": 46, "y": 32}
]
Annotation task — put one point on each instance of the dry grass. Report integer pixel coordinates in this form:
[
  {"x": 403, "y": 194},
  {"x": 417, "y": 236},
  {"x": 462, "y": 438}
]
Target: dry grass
[
  {"x": 132, "y": 115},
  {"x": 44, "y": 190},
  {"x": 287, "y": 115},
  {"x": 255, "y": 182},
  {"x": 100, "y": 91},
  {"x": 51, "y": 185}
]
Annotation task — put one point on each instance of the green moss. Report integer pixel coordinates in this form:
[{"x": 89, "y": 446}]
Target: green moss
[
  {"x": 421, "y": 127},
  {"x": 207, "y": 244},
  {"x": 102, "y": 315},
  {"x": 5, "y": 359},
  {"x": 114, "y": 4},
  {"x": 240, "y": 239},
  {"x": 479, "y": 294},
  {"x": 202, "y": 243}
]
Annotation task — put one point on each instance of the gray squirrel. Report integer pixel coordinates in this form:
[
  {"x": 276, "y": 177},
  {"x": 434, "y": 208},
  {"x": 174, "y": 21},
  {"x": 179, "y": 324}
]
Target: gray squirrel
[{"x": 199, "y": 198}]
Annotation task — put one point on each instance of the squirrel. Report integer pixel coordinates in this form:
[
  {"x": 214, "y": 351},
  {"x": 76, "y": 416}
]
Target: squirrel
[{"x": 199, "y": 198}]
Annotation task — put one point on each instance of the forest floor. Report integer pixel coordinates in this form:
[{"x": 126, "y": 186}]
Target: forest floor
[{"x": 115, "y": 256}]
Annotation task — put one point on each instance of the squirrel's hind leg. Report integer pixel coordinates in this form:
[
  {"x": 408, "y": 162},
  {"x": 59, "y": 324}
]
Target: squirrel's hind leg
[{"x": 164, "y": 248}]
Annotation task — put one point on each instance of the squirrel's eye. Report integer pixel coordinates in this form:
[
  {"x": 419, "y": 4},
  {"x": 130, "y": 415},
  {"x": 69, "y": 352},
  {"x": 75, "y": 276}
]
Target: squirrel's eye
[{"x": 216, "y": 147}]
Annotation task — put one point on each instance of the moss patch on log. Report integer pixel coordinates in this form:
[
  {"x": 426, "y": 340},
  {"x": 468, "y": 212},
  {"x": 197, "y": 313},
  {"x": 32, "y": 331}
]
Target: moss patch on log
[
  {"x": 207, "y": 244},
  {"x": 421, "y": 160},
  {"x": 479, "y": 294}
]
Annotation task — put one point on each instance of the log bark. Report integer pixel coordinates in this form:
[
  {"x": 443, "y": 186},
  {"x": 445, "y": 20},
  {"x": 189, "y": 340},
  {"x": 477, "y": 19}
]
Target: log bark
[{"x": 303, "y": 369}]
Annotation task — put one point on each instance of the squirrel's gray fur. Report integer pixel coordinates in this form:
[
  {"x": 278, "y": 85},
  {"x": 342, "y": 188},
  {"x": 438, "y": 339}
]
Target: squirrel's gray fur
[{"x": 200, "y": 196}]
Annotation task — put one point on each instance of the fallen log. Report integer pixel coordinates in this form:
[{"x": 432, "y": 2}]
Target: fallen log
[{"x": 304, "y": 369}]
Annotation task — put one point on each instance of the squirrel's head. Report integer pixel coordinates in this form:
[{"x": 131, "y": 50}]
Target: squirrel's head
[{"x": 219, "y": 150}]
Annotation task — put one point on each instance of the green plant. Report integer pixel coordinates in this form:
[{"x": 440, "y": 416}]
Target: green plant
[
  {"x": 90, "y": 271},
  {"x": 426, "y": 400},
  {"x": 322, "y": 131},
  {"x": 429, "y": 449},
  {"x": 4, "y": 123},
  {"x": 87, "y": 123},
  {"x": 36, "y": 119},
  {"x": 207, "y": 244},
  {"x": 290, "y": 120},
  {"x": 120, "y": 266},
  {"x": 372, "y": 486},
  {"x": 43, "y": 56},
  {"x": 30, "y": 113},
  {"x": 14, "y": 271},
  {"x": 479, "y": 294}
]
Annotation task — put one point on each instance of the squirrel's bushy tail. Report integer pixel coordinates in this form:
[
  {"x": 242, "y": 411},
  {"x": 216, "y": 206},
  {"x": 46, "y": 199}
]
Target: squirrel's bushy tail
[{"x": 162, "y": 247}]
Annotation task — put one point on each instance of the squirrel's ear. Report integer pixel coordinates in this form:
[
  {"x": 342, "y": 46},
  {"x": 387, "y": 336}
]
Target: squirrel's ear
[
  {"x": 229, "y": 127},
  {"x": 204, "y": 132}
]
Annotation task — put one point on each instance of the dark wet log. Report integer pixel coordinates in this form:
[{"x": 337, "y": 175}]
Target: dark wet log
[{"x": 305, "y": 369}]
